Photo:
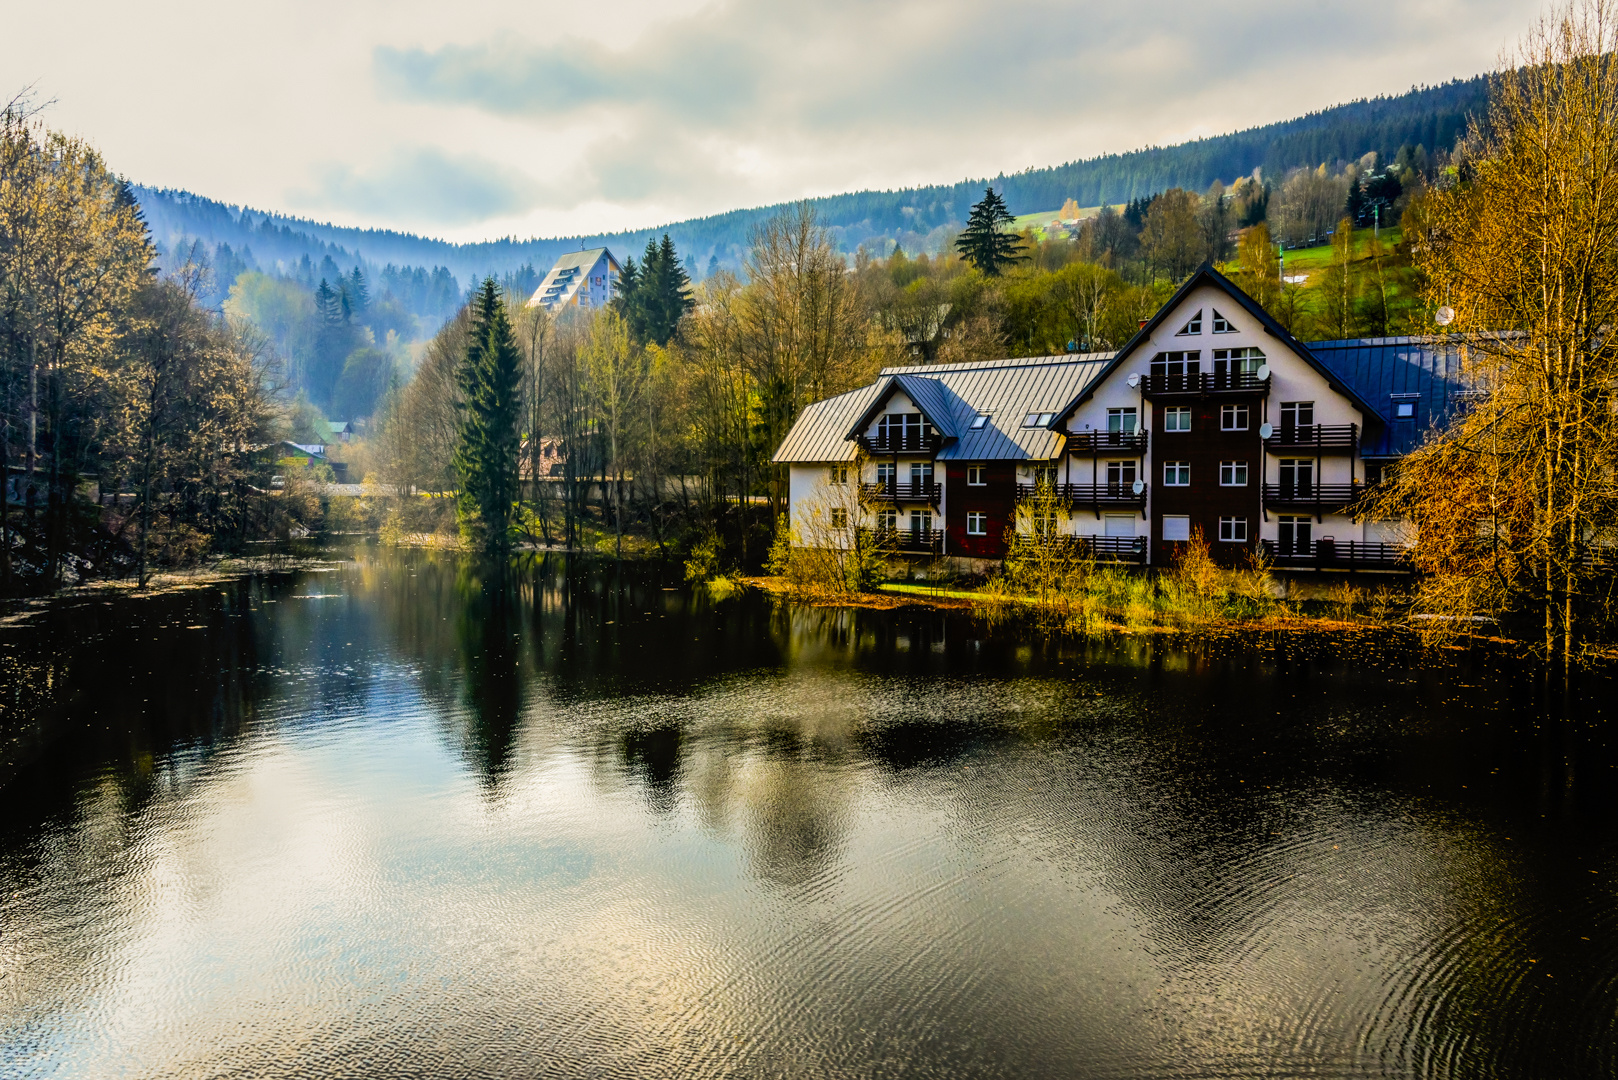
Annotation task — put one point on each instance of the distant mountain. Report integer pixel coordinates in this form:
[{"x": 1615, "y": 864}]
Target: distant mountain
[{"x": 919, "y": 218}]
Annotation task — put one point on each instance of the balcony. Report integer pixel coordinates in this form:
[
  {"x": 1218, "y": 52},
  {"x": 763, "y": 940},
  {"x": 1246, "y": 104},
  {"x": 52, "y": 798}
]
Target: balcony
[
  {"x": 1316, "y": 498},
  {"x": 1106, "y": 442},
  {"x": 1156, "y": 386},
  {"x": 918, "y": 492},
  {"x": 1090, "y": 494},
  {"x": 1124, "y": 549},
  {"x": 913, "y": 444},
  {"x": 1315, "y": 439},
  {"x": 908, "y": 541},
  {"x": 1338, "y": 555}
]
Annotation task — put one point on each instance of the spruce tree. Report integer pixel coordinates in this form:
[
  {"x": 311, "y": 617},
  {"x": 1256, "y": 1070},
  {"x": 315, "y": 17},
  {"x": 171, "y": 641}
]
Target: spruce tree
[
  {"x": 490, "y": 440},
  {"x": 984, "y": 242}
]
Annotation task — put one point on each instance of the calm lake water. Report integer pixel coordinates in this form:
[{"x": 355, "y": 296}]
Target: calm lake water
[{"x": 399, "y": 820}]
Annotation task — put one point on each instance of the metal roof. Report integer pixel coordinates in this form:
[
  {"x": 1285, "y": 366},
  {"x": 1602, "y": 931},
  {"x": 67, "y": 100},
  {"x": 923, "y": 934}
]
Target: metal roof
[
  {"x": 952, "y": 395},
  {"x": 1426, "y": 370}
]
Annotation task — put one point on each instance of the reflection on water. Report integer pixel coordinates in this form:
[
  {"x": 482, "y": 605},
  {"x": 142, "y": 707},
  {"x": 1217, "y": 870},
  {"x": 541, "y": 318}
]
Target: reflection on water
[{"x": 410, "y": 817}]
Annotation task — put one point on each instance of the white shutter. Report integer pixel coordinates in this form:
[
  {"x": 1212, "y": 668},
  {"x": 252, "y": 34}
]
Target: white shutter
[
  {"x": 1176, "y": 527},
  {"x": 1120, "y": 524}
]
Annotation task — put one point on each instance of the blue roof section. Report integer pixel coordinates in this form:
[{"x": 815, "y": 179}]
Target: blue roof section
[
  {"x": 1426, "y": 370},
  {"x": 933, "y": 400}
]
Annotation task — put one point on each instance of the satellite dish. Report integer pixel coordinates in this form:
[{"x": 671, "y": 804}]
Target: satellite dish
[
  {"x": 1134, "y": 380},
  {"x": 1138, "y": 486},
  {"x": 1444, "y": 316},
  {"x": 1266, "y": 430},
  {"x": 1263, "y": 372}
]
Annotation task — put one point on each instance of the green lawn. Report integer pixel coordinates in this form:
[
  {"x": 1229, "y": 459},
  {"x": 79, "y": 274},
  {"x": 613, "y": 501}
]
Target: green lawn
[{"x": 1310, "y": 260}]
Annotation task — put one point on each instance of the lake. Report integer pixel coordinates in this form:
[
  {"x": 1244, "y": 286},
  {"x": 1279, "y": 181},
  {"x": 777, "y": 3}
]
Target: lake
[{"x": 402, "y": 817}]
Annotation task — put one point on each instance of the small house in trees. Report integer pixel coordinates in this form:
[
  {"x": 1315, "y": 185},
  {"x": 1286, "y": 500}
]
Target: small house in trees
[
  {"x": 585, "y": 279},
  {"x": 1212, "y": 420}
]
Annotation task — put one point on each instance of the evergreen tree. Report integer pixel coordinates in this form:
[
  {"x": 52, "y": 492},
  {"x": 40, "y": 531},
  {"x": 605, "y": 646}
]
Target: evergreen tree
[
  {"x": 654, "y": 296},
  {"x": 358, "y": 294},
  {"x": 984, "y": 242},
  {"x": 326, "y": 302},
  {"x": 487, "y": 451}
]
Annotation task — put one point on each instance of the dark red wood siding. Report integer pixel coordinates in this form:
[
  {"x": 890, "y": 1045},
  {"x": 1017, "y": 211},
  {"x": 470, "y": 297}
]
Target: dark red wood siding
[
  {"x": 1205, "y": 446},
  {"x": 997, "y": 498}
]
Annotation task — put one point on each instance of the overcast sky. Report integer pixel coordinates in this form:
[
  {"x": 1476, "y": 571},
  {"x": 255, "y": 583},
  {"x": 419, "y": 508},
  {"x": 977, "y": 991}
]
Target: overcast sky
[{"x": 473, "y": 120}]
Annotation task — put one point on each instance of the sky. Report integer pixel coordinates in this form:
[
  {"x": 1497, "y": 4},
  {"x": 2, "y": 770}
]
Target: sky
[{"x": 476, "y": 120}]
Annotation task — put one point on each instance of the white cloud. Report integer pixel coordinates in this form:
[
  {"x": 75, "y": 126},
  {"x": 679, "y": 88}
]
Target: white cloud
[{"x": 498, "y": 117}]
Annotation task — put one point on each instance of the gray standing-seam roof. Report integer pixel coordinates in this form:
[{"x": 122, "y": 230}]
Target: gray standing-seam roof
[
  {"x": 1426, "y": 370},
  {"x": 952, "y": 395}
]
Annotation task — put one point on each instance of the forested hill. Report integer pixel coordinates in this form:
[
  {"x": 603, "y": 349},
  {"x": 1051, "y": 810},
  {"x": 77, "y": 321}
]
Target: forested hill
[{"x": 919, "y": 218}]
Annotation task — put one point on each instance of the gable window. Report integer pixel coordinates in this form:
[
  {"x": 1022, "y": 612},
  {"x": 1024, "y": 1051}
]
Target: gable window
[
  {"x": 975, "y": 475},
  {"x": 1176, "y": 363},
  {"x": 1177, "y": 418},
  {"x": 839, "y": 517},
  {"x": 1221, "y": 325},
  {"x": 839, "y": 474},
  {"x": 977, "y": 524},
  {"x": 1233, "y": 530},
  {"x": 979, "y": 421},
  {"x": 1296, "y": 414},
  {"x": 1121, "y": 419},
  {"x": 1176, "y": 474},
  {"x": 907, "y": 429},
  {"x": 1233, "y": 474},
  {"x": 1192, "y": 327},
  {"x": 1233, "y": 418}
]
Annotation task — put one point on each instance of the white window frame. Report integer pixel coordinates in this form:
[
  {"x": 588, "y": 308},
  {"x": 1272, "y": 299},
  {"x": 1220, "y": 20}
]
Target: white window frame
[
  {"x": 1179, "y": 469},
  {"x": 1229, "y": 527},
  {"x": 1233, "y": 474},
  {"x": 839, "y": 474},
  {"x": 977, "y": 523},
  {"x": 1221, "y": 325},
  {"x": 976, "y": 476},
  {"x": 1174, "y": 412},
  {"x": 1296, "y": 407},
  {"x": 1228, "y": 414},
  {"x": 1131, "y": 414},
  {"x": 1192, "y": 326}
]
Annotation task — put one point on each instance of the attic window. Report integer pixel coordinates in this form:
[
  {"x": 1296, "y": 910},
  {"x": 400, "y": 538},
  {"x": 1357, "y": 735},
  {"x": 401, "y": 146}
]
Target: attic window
[
  {"x": 1404, "y": 410},
  {"x": 1221, "y": 325},
  {"x": 1037, "y": 419},
  {"x": 1192, "y": 327},
  {"x": 979, "y": 421}
]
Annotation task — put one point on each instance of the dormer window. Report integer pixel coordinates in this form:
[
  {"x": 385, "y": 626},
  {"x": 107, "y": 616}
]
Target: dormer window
[
  {"x": 1192, "y": 327},
  {"x": 1221, "y": 325}
]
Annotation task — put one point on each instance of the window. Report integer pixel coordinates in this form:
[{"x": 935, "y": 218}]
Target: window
[
  {"x": 1037, "y": 419},
  {"x": 921, "y": 475},
  {"x": 887, "y": 520},
  {"x": 1233, "y": 418},
  {"x": 1297, "y": 475},
  {"x": 975, "y": 475},
  {"x": 1295, "y": 534},
  {"x": 1237, "y": 361},
  {"x": 1177, "y": 418},
  {"x": 979, "y": 421},
  {"x": 908, "y": 428},
  {"x": 1233, "y": 530},
  {"x": 1120, "y": 525},
  {"x": 1043, "y": 524},
  {"x": 921, "y": 521},
  {"x": 1192, "y": 327},
  {"x": 977, "y": 524},
  {"x": 1295, "y": 414},
  {"x": 885, "y": 471},
  {"x": 1045, "y": 474},
  {"x": 1121, "y": 419},
  {"x": 1176, "y": 527},
  {"x": 1177, "y": 474},
  {"x": 1404, "y": 410},
  {"x": 1120, "y": 473},
  {"x": 1176, "y": 363},
  {"x": 839, "y": 474},
  {"x": 839, "y": 518},
  {"x": 1221, "y": 325},
  {"x": 1233, "y": 474}
]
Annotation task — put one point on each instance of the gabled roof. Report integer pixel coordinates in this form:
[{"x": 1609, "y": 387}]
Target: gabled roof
[
  {"x": 581, "y": 259},
  {"x": 952, "y": 395},
  {"x": 1426, "y": 370},
  {"x": 1207, "y": 275}
]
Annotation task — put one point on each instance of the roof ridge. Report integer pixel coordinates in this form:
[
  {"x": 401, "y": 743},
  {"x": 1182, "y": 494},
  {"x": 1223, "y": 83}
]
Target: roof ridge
[{"x": 999, "y": 365}]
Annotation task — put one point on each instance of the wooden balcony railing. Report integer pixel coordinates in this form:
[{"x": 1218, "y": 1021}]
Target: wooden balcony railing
[
  {"x": 1127, "y": 549},
  {"x": 1319, "y": 498},
  {"x": 1315, "y": 439},
  {"x": 915, "y": 444},
  {"x": 1344, "y": 554},
  {"x": 1106, "y": 442},
  {"x": 1204, "y": 383},
  {"x": 1090, "y": 494},
  {"x": 919, "y": 541},
  {"x": 919, "y": 491}
]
